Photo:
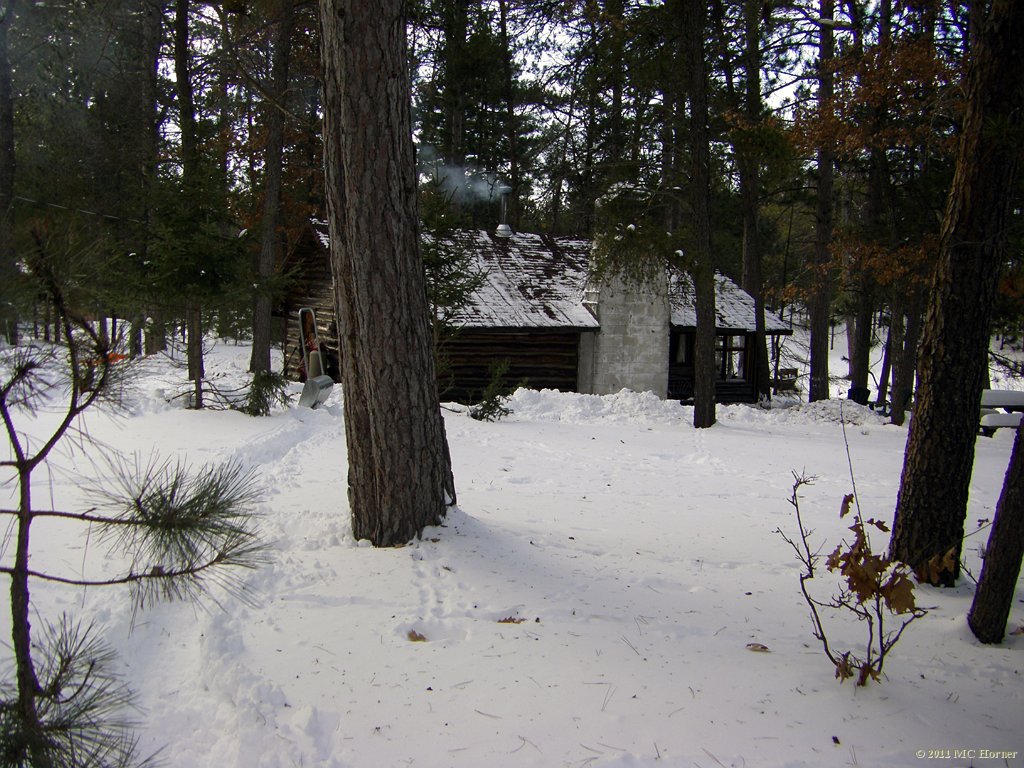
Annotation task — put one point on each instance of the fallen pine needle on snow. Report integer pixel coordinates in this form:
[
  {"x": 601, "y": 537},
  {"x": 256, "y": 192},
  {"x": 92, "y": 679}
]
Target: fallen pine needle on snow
[{"x": 714, "y": 758}]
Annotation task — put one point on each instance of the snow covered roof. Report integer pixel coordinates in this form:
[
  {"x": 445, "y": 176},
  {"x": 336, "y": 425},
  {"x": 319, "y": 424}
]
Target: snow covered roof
[
  {"x": 734, "y": 307},
  {"x": 320, "y": 229},
  {"x": 530, "y": 281},
  {"x": 536, "y": 281}
]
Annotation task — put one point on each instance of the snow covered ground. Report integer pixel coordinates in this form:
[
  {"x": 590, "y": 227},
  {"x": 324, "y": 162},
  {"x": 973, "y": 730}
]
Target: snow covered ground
[{"x": 590, "y": 602}]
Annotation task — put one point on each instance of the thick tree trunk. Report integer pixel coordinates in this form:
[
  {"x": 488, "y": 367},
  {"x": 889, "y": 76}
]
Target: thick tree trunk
[
  {"x": 821, "y": 298},
  {"x": 270, "y": 236},
  {"x": 700, "y": 186},
  {"x": 932, "y": 504},
  {"x": 998, "y": 582},
  {"x": 399, "y": 472}
]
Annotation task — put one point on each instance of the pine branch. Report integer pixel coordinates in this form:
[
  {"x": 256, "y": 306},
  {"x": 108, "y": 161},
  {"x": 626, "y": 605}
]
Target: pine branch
[
  {"x": 81, "y": 706},
  {"x": 81, "y": 517},
  {"x": 238, "y": 557},
  {"x": 175, "y": 524}
]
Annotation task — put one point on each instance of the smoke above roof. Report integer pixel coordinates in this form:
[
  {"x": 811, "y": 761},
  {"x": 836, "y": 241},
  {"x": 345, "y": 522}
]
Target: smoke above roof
[{"x": 465, "y": 183}]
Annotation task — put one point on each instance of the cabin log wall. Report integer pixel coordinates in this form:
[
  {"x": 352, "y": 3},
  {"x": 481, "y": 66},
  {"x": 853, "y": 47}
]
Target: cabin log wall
[
  {"x": 312, "y": 285},
  {"x": 544, "y": 359}
]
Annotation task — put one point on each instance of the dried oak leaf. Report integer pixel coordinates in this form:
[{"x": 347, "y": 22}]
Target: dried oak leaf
[
  {"x": 511, "y": 620},
  {"x": 844, "y": 510},
  {"x": 879, "y": 524},
  {"x": 416, "y": 637},
  {"x": 898, "y": 593},
  {"x": 938, "y": 566}
]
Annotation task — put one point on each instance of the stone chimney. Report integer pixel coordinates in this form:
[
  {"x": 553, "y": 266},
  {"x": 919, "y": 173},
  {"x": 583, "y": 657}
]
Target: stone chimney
[{"x": 631, "y": 349}]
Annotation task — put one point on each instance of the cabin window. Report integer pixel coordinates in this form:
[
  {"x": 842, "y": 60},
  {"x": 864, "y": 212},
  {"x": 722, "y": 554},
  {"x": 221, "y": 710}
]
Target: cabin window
[
  {"x": 681, "y": 349},
  {"x": 730, "y": 356}
]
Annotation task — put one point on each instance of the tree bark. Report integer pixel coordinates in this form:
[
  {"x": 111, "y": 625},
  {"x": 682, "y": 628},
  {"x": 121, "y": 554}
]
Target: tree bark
[
  {"x": 877, "y": 204},
  {"x": 932, "y": 503},
  {"x": 8, "y": 269},
  {"x": 883, "y": 374},
  {"x": 189, "y": 183},
  {"x": 821, "y": 298},
  {"x": 144, "y": 339},
  {"x": 860, "y": 343},
  {"x": 155, "y": 333},
  {"x": 399, "y": 476},
  {"x": 184, "y": 90},
  {"x": 456, "y": 32},
  {"x": 21, "y": 629},
  {"x": 750, "y": 191},
  {"x": 700, "y": 201},
  {"x": 270, "y": 235},
  {"x": 511, "y": 123},
  {"x": 998, "y": 582},
  {"x": 905, "y": 364}
]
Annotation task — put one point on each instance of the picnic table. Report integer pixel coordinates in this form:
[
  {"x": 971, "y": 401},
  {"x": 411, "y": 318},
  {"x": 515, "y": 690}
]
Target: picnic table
[{"x": 1000, "y": 408}]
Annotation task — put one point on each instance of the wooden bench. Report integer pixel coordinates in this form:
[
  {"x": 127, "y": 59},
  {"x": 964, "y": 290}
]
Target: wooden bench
[
  {"x": 1012, "y": 404},
  {"x": 786, "y": 381}
]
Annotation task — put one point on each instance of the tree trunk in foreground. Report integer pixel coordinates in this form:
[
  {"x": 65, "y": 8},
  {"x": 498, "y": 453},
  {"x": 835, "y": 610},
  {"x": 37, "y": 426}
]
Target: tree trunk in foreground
[
  {"x": 399, "y": 478},
  {"x": 932, "y": 503},
  {"x": 998, "y": 582}
]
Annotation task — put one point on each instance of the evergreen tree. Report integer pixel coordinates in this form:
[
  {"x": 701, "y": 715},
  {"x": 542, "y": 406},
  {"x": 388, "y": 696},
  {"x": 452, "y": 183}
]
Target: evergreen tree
[
  {"x": 821, "y": 299},
  {"x": 177, "y": 528},
  {"x": 703, "y": 270},
  {"x": 271, "y": 240}
]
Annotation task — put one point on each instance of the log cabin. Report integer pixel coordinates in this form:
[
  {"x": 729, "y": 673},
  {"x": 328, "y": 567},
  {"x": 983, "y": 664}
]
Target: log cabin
[{"x": 537, "y": 308}]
